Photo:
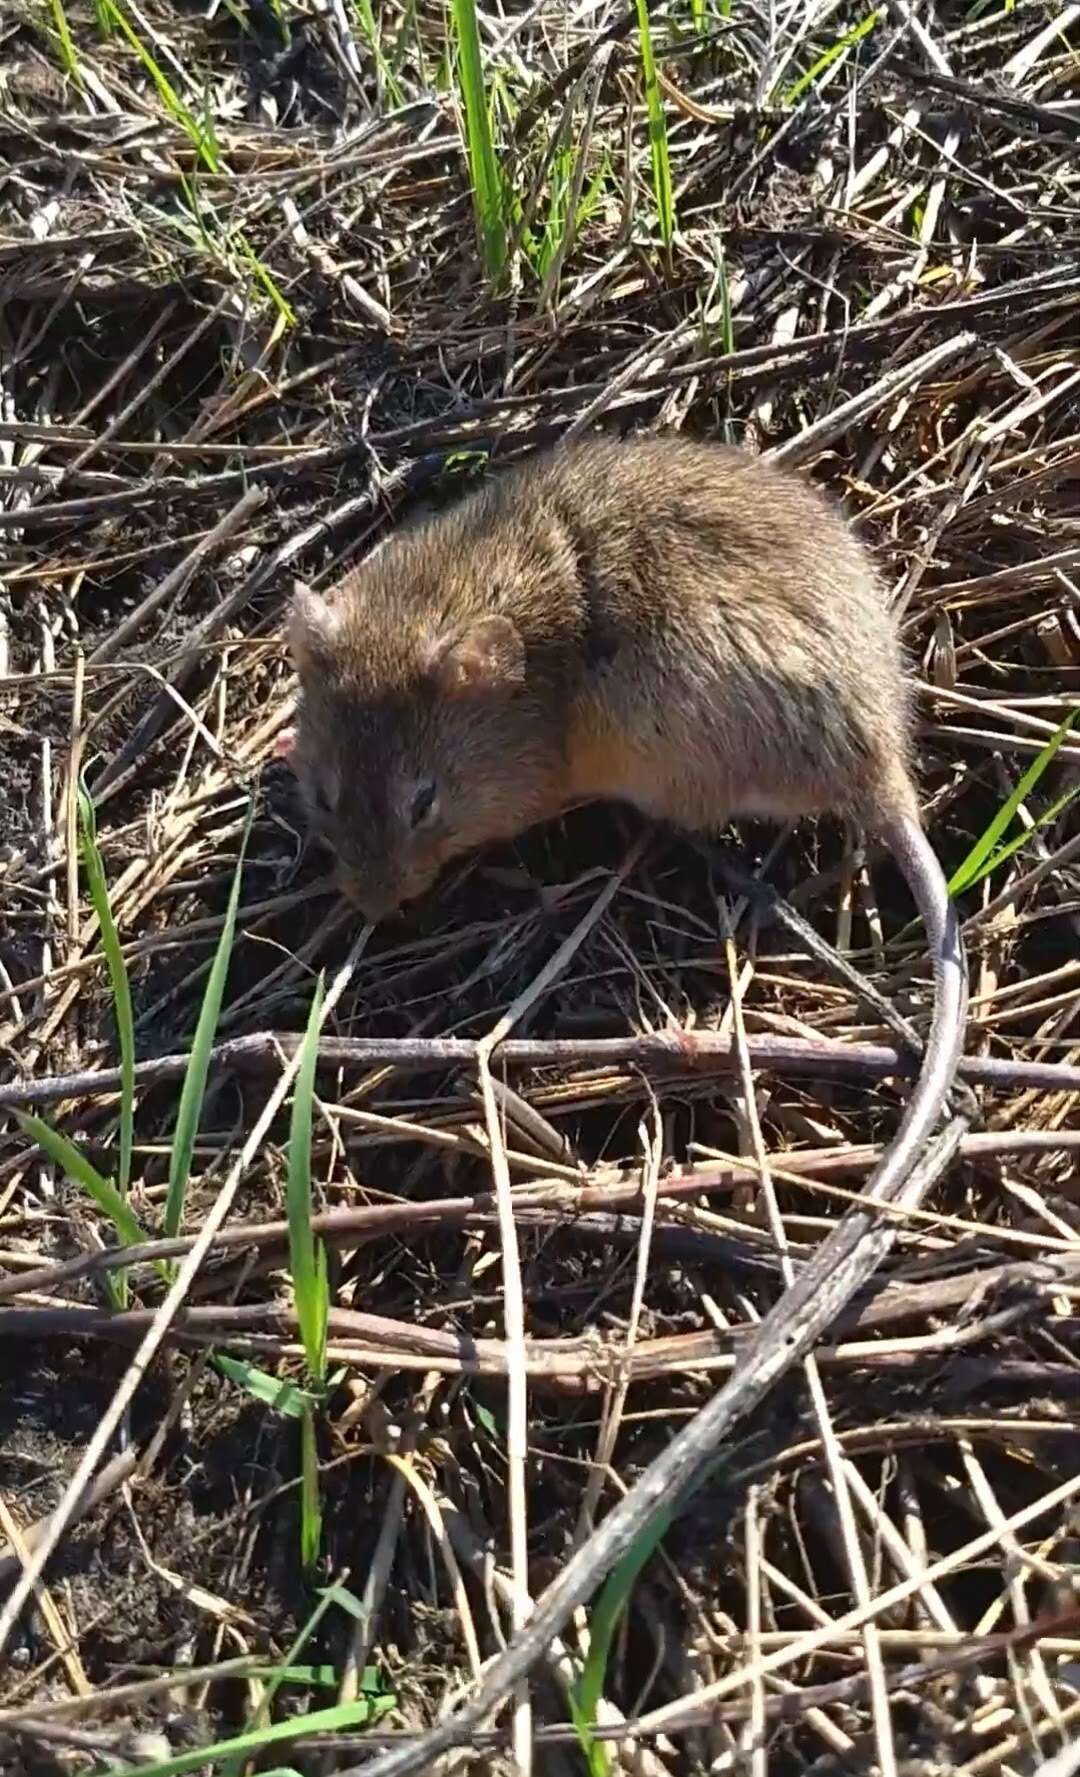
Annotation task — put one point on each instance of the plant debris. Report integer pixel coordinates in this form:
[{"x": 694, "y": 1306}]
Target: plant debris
[{"x": 247, "y": 324}]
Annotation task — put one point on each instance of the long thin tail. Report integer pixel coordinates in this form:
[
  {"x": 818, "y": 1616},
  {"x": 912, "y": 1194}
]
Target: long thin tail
[
  {"x": 844, "y": 1259},
  {"x": 945, "y": 1043}
]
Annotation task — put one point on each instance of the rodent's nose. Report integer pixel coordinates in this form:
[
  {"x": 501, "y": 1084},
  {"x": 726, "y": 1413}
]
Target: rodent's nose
[{"x": 375, "y": 904}]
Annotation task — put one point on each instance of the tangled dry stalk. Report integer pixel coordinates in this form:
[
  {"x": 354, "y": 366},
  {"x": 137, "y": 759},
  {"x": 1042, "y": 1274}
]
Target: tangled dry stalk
[{"x": 232, "y": 351}]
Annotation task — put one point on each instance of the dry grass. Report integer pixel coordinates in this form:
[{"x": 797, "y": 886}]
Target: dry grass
[{"x": 233, "y": 353}]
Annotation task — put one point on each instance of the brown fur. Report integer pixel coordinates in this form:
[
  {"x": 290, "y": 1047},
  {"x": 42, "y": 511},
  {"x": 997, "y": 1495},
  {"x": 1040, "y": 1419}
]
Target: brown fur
[
  {"x": 674, "y": 624},
  {"x": 677, "y": 625}
]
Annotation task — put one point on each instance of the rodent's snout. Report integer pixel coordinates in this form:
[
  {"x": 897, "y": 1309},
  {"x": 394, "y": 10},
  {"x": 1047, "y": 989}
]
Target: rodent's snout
[{"x": 374, "y": 903}]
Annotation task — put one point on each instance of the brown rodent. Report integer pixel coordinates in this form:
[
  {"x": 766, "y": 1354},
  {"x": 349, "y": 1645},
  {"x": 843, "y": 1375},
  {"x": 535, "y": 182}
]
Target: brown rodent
[{"x": 675, "y": 625}]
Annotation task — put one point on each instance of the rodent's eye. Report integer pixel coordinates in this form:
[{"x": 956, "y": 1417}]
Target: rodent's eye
[{"x": 423, "y": 803}]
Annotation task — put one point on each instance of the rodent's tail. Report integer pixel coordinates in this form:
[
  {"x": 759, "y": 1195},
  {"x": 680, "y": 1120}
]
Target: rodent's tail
[{"x": 945, "y": 1044}]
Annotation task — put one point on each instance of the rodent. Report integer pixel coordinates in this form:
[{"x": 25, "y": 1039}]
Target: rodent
[{"x": 673, "y": 624}]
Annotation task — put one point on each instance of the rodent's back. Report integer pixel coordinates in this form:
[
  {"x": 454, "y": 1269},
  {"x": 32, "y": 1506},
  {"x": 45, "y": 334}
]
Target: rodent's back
[
  {"x": 678, "y": 625},
  {"x": 742, "y": 657}
]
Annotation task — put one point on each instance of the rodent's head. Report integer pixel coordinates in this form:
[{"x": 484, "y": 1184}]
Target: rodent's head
[{"x": 414, "y": 742}]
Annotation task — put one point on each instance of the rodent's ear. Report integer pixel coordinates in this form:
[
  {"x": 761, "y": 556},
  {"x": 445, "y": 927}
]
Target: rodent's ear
[
  {"x": 489, "y": 654},
  {"x": 314, "y": 626}
]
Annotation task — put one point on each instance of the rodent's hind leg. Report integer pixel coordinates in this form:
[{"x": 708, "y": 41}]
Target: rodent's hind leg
[{"x": 767, "y": 901}]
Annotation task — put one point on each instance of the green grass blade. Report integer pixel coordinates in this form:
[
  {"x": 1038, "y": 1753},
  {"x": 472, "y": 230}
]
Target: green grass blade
[
  {"x": 204, "y": 145},
  {"x": 1013, "y": 845},
  {"x": 72, "y": 1161},
  {"x": 195, "y": 209},
  {"x": 307, "y": 1262},
  {"x": 727, "y": 330},
  {"x": 971, "y": 869},
  {"x": 208, "y": 128},
  {"x": 325, "y": 1676},
  {"x": 487, "y": 187},
  {"x": 194, "y": 1088},
  {"x": 67, "y": 47},
  {"x": 322, "y": 1307},
  {"x": 594, "y": 191},
  {"x": 338, "y": 1719},
  {"x": 409, "y": 37},
  {"x": 310, "y": 1509},
  {"x": 348, "y": 1601},
  {"x": 663, "y": 190},
  {"x": 282, "y": 1673},
  {"x": 239, "y": 18},
  {"x": 593, "y": 1751},
  {"x": 118, "y": 979},
  {"x": 370, "y": 28},
  {"x": 274, "y": 1392},
  {"x": 795, "y": 91},
  {"x": 281, "y": 17},
  {"x": 261, "y": 273},
  {"x": 307, "y": 1258},
  {"x": 586, "y": 1694}
]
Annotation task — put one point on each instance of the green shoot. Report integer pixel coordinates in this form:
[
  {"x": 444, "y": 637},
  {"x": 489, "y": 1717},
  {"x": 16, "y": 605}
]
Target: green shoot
[
  {"x": 209, "y": 129},
  {"x": 191, "y": 203},
  {"x": 205, "y": 145},
  {"x": 336, "y": 1720},
  {"x": 727, "y": 330},
  {"x": 369, "y": 1683},
  {"x": 310, "y": 1507},
  {"x": 586, "y": 1694},
  {"x": 569, "y": 209},
  {"x": 194, "y": 1088},
  {"x": 368, "y": 25},
  {"x": 72, "y": 1161},
  {"x": 67, "y": 47},
  {"x": 311, "y": 1296},
  {"x": 323, "y": 1676},
  {"x": 118, "y": 978},
  {"x": 110, "y": 1198},
  {"x": 487, "y": 1419},
  {"x": 487, "y": 184},
  {"x": 594, "y": 191},
  {"x": 311, "y": 1290},
  {"x": 282, "y": 1397},
  {"x": 239, "y": 17},
  {"x": 663, "y": 191},
  {"x": 281, "y": 16},
  {"x": 795, "y": 91},
  {"x": 466, "y": 462},
  {"x": 307, "y": 1256},
  {"x": 1013, "y": 845},
  {"x": 409, "y": 37},
  {"x": 261, "y": 274},
  {"x": 543, "y": 251},
  {"x": 985, "y": 855},
  {"x": 224, "y": 245}
]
